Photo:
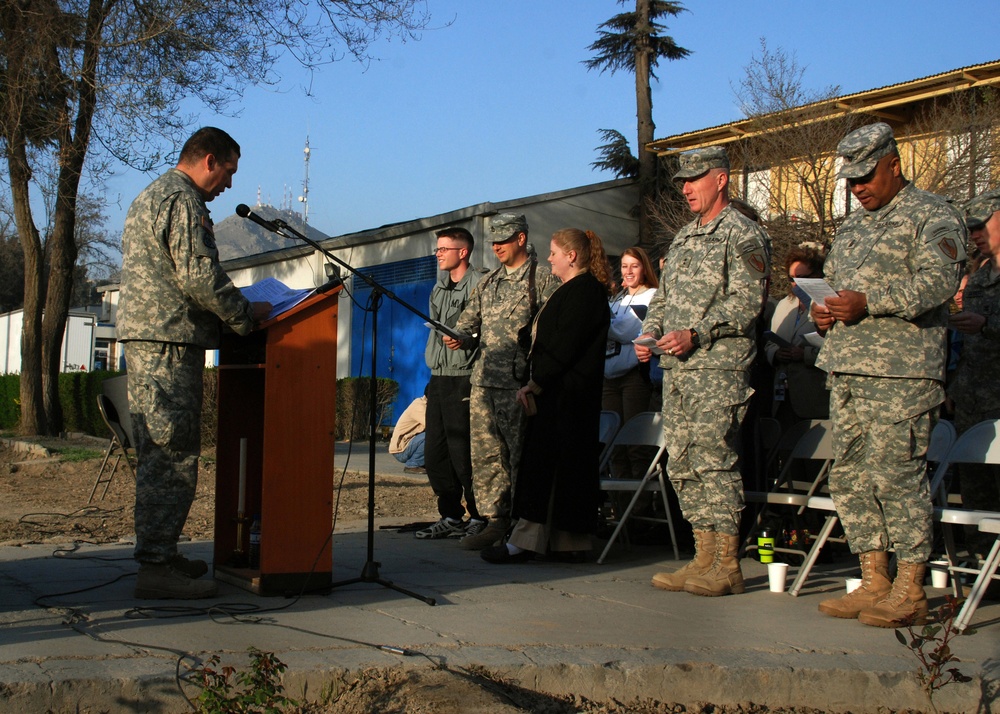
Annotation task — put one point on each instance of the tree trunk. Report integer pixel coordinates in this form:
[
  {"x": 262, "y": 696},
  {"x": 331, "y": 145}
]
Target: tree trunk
[
  {"x": 74, "y": 137},
  {"x": 644, "y": 117},
  {"x": 32, "y": 411}
]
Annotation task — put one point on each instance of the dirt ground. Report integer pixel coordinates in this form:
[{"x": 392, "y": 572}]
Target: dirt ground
[{"x": 44, "y": 499}]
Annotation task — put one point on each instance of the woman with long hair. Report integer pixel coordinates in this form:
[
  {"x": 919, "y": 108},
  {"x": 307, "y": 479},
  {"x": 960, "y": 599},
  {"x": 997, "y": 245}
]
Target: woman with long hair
[
  {"x": 627, "y": 387},
  {"x": 556, "y": 495}
]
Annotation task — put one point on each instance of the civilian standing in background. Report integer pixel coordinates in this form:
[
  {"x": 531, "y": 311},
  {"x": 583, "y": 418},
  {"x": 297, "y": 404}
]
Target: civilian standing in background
[
  {"x": 556, "y": 497},
  {"x": 627, "y": 387},
  {"x": 447, "y": 455},
  {"x": 799, "y": 387}
]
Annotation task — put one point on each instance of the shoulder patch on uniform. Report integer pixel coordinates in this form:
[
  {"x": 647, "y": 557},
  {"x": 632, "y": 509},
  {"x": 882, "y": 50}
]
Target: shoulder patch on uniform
[
  {"x": 207, "y": 241},
  {"x": 946, "y": 239},
  {"x": 753, "y": 253}
]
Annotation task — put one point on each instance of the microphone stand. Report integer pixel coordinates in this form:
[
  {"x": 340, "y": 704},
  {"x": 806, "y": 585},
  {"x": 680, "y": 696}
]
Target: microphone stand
[{"x": 370, "y": 571}]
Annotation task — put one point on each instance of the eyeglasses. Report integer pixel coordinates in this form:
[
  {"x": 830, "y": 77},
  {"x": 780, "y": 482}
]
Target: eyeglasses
[{"x": 439, "y": 251}]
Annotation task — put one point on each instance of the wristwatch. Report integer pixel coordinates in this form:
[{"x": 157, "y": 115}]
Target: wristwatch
[{"x": 695, "y": 339}]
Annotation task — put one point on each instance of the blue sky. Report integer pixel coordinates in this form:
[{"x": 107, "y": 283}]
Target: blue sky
[{"x": 497, "y": 105}]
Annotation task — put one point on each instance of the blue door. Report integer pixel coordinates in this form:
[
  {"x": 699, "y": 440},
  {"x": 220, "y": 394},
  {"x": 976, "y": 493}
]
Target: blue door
[{"x": 401, "y": 334}]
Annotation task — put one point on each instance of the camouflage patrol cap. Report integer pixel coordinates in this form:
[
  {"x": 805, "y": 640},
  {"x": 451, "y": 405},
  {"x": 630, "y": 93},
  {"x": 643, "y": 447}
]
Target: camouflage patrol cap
[
  {"x": 700, "y": 161},
  {"x": 862, "y": 149},
  {"x": 505, "y": 226},
  {"x": 981, "y": 208}
]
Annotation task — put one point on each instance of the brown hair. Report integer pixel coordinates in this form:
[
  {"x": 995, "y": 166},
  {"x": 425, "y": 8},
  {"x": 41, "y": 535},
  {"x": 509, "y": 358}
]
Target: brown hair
[
  {"x": 458, "y": 233},
  {"x": 648, "y": 274},
  {"x": 209, "y": 140},
  {"x": 813, "y": 257},
  {"x": 589, "y": 251}
]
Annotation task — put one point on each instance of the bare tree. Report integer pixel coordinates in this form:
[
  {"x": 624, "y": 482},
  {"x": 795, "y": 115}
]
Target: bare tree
[
  {"x": 789, "y": 155},
  {"x": 634, "y": 42},
  {"x": 953, "y": 147},
  {"x": 106, "y": 78}
]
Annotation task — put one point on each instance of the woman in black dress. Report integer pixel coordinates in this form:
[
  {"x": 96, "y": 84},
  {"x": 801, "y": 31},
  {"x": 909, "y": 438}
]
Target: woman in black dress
[{"x": 556, "y": 496}]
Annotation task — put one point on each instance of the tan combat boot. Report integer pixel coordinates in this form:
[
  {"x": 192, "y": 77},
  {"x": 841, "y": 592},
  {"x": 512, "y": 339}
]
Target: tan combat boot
[
  {"x": 906, "y": 603},
  {"x": 704, "y": 556},
  {"x": 192, "y": 568},
  {"x": 875, "y": 585},
  {"x": 725, "y": 576},
  {"x": 163, "y": 582}
]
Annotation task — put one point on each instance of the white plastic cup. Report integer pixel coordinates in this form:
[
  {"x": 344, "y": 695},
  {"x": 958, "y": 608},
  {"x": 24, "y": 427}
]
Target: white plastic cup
[
  {"x": 776, "y": 574},
  {"x": 939, "y": 574},
  {"x": 852, "y": 584}
]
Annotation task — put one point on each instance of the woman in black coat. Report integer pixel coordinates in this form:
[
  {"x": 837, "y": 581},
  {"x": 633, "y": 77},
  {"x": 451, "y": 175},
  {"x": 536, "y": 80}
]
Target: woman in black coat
[{"x": 556, "y": 495}]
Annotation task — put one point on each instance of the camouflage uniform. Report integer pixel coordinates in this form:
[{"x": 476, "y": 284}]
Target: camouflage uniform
[
  {"x": 498, "y": 308},
  {"x": 975, "y": 385},
  {"x": 173, "y": 294},
  {"x": 886, "y": 369},
  {"x": 712, "y": 281}
]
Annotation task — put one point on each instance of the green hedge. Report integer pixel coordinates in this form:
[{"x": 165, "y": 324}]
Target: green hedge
[{"x": 78, "y": 393}]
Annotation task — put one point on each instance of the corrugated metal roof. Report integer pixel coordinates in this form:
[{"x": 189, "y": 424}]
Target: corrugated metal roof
[{"x": 873, "y": 101}]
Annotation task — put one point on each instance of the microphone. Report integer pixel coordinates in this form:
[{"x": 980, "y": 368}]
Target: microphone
[{"x": 243, "y": 211}]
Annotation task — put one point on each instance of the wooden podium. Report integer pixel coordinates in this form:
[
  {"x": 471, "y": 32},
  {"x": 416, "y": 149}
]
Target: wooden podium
[{"x": 277, "y": 390}]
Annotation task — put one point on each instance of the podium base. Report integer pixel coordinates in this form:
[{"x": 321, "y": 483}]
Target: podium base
[{"x": 273, "y": 584}]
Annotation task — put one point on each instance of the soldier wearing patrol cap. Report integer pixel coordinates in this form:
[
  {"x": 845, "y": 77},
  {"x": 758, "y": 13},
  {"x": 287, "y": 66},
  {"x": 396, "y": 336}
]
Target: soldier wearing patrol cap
[
  {"x": 703, "y": 319},
  {"x": 895, "y": 265},
  {"x": 975, "y": 384},
  {"x": 175, "y": 297},
  {"x": 498, "y": 319}
]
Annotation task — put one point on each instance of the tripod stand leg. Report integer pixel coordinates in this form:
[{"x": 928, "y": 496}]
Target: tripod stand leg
[{"x": 369, "y": 574}]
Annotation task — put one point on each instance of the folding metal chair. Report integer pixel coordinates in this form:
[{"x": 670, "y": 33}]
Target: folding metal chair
[
  {"x": 814, "y": 444},
  {"x": 979, "y": 444},
  {"x": 610, "y": 423},
  {"x": 644, "y": 429},
  {"x": 767, "y": 436},
  {"x": 942, "y": 439},
  {"x": 113, "y": 404},
  {"x": 987, "y": 572}
]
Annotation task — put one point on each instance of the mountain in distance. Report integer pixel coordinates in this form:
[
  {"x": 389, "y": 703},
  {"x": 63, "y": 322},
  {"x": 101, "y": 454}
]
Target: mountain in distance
[{"x": 238, "y": 237}]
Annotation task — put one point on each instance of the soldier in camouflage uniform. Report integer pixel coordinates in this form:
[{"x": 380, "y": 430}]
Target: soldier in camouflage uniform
[
  {"x": 975, "y": 385},
  {"x": 498, "y": 318},
  {"x": 174, "y": 298},
  {"x": 895, "y": 265},
  {"x": 703, "y": 319}
]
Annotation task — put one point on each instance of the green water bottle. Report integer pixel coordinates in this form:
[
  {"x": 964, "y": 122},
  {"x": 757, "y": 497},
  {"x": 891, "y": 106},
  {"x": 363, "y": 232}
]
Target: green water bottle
[{"x": 765, "y": 545}]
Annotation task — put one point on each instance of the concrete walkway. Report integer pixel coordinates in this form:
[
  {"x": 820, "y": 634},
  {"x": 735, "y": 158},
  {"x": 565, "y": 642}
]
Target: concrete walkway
[{"x": 72, "y": 638}]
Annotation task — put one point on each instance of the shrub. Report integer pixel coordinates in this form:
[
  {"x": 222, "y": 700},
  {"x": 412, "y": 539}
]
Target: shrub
[
  {"x": 78, "y": 395},
  {"x": 353, "y": 399}
]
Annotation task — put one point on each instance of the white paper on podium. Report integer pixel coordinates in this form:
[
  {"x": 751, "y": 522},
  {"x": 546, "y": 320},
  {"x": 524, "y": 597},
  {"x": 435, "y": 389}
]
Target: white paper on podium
[{"x": 281, "y": 297}]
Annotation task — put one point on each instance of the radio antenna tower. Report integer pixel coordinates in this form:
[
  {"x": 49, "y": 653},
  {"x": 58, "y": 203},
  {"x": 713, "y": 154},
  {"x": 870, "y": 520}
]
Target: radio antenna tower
[{"x": 304, "y": 198}]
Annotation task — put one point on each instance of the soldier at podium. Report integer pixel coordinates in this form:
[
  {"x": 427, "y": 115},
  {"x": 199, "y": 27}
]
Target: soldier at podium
[{"x": 175, "y": 298}]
